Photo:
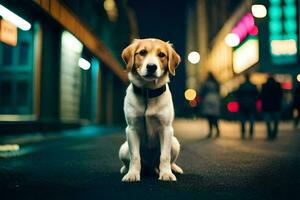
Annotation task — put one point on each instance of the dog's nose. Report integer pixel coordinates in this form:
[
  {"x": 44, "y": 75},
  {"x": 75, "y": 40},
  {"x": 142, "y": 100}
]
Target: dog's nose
[{"x": 151, "y": 68}]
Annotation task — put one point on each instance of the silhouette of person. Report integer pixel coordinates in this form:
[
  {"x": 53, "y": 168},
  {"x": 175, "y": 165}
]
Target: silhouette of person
[
  {"x": 271, "y": 97},
  {"x": 296, "y": 105},
  {"x": 247, "y": 95},
  {"x": 210, "y": 92}
]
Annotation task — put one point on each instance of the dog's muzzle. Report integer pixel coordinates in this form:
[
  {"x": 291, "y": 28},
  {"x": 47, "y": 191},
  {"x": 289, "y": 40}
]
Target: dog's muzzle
[{"x": 151, "y": 68}]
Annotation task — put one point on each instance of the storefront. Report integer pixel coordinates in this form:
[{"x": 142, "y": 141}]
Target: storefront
[
  {"x": 17, "y": 68},
  {"x": 54, "y": 75}
]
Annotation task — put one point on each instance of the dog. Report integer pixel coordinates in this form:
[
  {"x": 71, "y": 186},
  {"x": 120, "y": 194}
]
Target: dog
[{"x": 149, "y": 111}]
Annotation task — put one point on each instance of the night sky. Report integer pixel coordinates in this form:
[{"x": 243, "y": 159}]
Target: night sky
[{"x": 165, "y": 20}]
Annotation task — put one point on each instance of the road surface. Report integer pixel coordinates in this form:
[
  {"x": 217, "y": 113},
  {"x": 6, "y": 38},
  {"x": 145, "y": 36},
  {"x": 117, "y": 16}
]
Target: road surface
[{"x": 83, "y": 164}]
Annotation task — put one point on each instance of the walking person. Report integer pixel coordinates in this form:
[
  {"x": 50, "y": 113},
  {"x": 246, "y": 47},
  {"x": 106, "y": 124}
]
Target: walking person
[
  {"x": 210, "y": 92},
  {"x": 296, "y": 105},
  {"x": 271, "y": 97},
  {"x": 247, "y": 95}
]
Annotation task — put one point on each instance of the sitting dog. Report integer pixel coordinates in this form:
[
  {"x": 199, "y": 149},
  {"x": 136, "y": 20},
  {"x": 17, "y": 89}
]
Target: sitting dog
[{"x": 149, "y": 111}]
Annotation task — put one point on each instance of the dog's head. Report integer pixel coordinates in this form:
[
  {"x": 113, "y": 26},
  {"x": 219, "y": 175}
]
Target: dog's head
[{"x": 150, "y": 59}]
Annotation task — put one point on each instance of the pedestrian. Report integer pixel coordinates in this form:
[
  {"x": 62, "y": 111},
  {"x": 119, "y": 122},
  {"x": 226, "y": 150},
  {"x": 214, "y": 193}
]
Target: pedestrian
[
  {"x": 271, "y": 97},
  {"x": 210, "y": 92},
  {"x": 296, "y": 105},
  {"x": 247, "y": 96}
]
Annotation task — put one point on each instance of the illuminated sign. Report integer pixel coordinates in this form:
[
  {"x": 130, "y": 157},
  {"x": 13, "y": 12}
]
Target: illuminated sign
[
  {"x": 244, "y": 28},
  {"x": 284, "y": 47},
  {"x": 283, "y": 31},
  {"x": 245, "y": 56},
  {"x": 8, "y": 33}
]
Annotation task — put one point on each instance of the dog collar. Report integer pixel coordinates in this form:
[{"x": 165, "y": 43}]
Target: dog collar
[{"x": 149, "y": 93}]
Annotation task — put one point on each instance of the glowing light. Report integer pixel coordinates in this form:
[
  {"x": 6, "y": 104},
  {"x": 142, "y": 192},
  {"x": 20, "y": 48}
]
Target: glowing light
[
  {"x": 233, "y": 107},
  {"x": 259, "y": 11},
  {"x": 111, "y": 9},
  {"x": 72, "y": 42},
  {"x": 275, "y": 12},
  {"x": 284, "y": 47},
  {"x": 241, "y": 31},
  {"x": 14, "y": 19},
  {"x": 84, "y": 64},
  {"x": 248, "y": 21},
  {"x": 232, "y": 40},
  {"x": 254, "y": 31},
  {"x": 109, "y": 5},
  {"x": 298, "y": 78},
  {"x": 245, "y": 56},
  {"x": 190, "y": 94},
  {"x": 193, "y": 103},
  {"x": 259, "y": 105},
  {"x": 287, "y": 85},
  {"x": 244, "y": 27},
  {"x": 194, "y": 57},
  {"x": 9, "y": 147}
]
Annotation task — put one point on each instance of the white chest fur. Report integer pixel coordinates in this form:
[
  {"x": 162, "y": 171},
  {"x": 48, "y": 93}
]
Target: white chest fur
[{"x": 149, "y": 115}]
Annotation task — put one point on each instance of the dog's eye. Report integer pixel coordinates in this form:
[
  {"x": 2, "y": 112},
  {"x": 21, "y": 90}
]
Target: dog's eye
[
  {"x": 143, "y": 52},
  {"x": 161, "y": 55}
]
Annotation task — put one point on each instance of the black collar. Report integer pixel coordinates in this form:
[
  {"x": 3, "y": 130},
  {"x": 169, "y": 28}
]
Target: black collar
[{"x": 149, "y": 93}]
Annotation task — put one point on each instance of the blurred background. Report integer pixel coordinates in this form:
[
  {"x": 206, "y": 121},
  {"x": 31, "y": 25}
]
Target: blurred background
[{"x": 60, "y": 64}]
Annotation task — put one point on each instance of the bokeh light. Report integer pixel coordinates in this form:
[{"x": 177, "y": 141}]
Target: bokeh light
[
  {"x": 298, "y": 78},
  {"x": 232, "y": 40},
  {"x": 233, "y": 106},
  {"x": 84, "y": 64},
  {"x": 190, "y": 94},
  {"x": 194, "y": 57},
  {"x": 259, "y": 11}
]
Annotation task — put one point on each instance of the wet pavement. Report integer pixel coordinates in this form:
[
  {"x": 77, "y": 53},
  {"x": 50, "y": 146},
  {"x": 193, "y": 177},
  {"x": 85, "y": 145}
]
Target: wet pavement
[{"x": 83, "y": 164}]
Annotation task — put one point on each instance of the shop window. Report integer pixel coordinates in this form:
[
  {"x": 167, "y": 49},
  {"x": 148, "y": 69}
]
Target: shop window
[
  {"x": 7, "y": 54},
  {"x": 5, "y": 93},
  {"x": 24, "y": 53},
  {"x": 22, "y": 91}
]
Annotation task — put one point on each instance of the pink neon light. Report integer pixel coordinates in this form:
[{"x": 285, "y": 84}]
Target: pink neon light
[
  {"x": 254, "y": 31},
  {"x": 248, "y": 20},
  {"x": 245, "y": 26},
  {"x": 240, "y": 30}
]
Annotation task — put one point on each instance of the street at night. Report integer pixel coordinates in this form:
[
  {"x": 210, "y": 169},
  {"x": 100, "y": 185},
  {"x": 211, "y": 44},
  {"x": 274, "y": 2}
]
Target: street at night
[
  {"x": 95, "y": 97},
  {"x": 84, "y": 164}
]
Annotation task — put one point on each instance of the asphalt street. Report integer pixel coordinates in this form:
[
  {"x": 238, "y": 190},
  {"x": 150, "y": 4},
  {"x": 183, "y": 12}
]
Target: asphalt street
[{"x": 83, "y": 164}]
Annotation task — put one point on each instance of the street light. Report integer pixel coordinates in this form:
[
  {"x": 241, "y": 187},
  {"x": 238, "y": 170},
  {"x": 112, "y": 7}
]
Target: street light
[
  {"x": 14, "y": 19},
  {"x": 194, "y": 57},
  {"x": 259, "y": 11}
]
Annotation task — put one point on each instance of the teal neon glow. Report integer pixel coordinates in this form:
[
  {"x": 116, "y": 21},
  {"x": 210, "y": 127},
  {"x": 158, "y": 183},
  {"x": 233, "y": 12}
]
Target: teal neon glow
[
  {"x": 290, "y": 11},
  {"x": 275, "y": 26},
  {"x": 283, "y": 31},
  {"x": 289, "y": 1},
  {"x": 275, "y": 2},
  {"x": 275, "y": 12},
  {"x": 290, "y": 26}
]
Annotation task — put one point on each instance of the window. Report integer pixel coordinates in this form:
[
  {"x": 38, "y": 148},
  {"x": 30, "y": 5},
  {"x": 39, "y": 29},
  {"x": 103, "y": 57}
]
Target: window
[
  {"x": 23, "y": 53},
  {"x": 7, "y": 54}
]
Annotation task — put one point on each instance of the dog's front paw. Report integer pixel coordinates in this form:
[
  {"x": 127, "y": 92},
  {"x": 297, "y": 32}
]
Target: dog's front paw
[
  {"x": 167, "y": 176},
  {"x": 131, "y": 176}
]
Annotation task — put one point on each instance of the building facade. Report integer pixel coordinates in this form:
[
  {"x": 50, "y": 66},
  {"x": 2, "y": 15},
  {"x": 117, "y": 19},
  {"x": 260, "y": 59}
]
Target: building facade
[
  {"x": 65, "y": 69},
  {"x": 270, "y": 47}
]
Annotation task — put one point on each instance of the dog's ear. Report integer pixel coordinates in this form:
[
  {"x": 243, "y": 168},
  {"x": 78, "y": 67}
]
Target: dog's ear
[
  {"x": 174, "y": 59},
  {"x": 128, "y": 55}
]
